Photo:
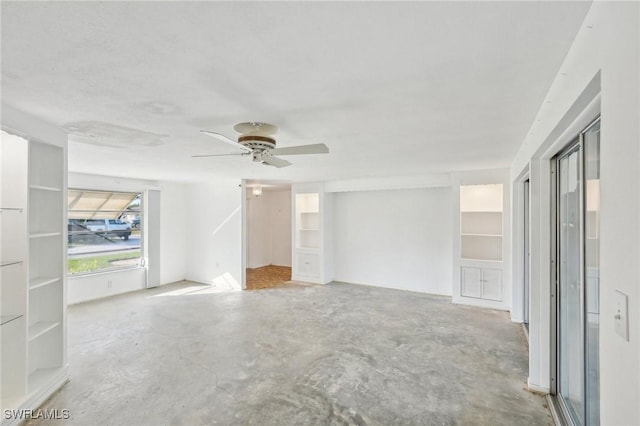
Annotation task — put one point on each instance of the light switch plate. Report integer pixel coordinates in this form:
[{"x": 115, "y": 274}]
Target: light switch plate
[{"x": 622, "y": 315}]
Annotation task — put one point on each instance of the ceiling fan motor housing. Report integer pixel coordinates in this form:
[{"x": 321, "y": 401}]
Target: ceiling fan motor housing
[{"x": 257, "y": 143}]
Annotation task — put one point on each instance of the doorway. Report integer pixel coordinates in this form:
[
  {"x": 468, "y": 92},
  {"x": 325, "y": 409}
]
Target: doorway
[
  {"x": 268, "y": 235},
  {"x": 576, "y": 292}
]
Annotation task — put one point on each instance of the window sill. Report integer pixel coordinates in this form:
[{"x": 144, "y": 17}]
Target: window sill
[{"x": 104, "y": 272}]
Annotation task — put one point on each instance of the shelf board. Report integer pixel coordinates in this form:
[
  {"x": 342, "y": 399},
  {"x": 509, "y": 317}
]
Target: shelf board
[
  {"x": 44, "y": 234},
  {"x": 45, "y": 188},
  {"x": 480, "y": 235},
  {"x": 41, "y": 282},
  {"x": 4, "y": 263},
  {"x": 482, "y": 211},
  {"x": 308, "y": 229},
  {"x": 481, "y": 260},
  {"x": 309, "y": 212},
  {"x": 5, "y": 319},
  {"x": 11, "y": 209},
  {"x": 308, "y": 248},
  {"x": 38, "y": 329},
  {"x": 41, "y": 377}
]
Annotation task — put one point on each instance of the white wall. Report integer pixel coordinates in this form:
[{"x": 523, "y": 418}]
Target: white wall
[
  {"x": 214, "y": 229},
  {"x": 269, "y": 229},
  {"x": 280, "y": 226},
  {"x": 173, "y": 231},
  {"x": 104, "y": 284},
  {"x": 609, "y": 44},
  {"x": 398, "y": 239},
  {"x": 258, "y": 231}
]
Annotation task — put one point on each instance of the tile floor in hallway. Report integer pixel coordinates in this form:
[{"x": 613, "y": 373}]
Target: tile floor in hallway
[
  {"x": 269, "y": 276},
  {"x": 302, "y": 355}
]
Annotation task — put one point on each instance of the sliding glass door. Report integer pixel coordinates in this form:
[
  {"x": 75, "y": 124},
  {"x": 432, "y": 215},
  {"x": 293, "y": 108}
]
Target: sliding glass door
[
  {"x": 591, "y": 140},
  {"x": 577, "y": 310},
  {"x": 570, "y": 283}
]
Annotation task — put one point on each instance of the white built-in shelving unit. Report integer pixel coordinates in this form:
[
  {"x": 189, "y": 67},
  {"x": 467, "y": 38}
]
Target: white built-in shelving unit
[
  {"x": 479, "y": 267},
  {"x": 13, "y": 269},
  {"x": 481, "y": 241},
  {"x": 481, "y": 222},
  {"x": 33, "y": 231},
  {"x": 308, "y": 220},
  {"x": 311, "y": 227}
]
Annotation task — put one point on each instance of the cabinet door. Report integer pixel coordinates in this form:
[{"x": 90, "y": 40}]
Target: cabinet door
[
  {"x": 470, "y": 282},
  {"x": 309, "y": 265},
  {"x": 492, "y": 284}
]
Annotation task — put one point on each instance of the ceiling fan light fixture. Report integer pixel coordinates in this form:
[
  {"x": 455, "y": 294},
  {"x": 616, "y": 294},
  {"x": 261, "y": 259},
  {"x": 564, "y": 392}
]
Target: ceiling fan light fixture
[
  {"x": 255, "y": 139},
  {"x": 256, "y": 142}
]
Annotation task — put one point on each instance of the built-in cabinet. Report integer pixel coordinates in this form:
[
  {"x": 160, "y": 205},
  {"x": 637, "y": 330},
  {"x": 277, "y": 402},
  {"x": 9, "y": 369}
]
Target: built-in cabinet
[
  {"x": 480, "y": 252},
  {"x": 13, "y": 268},
  {"x": 311, "y": 239},
  {"x": 32, "y": 285},
  {"x": 481, "y": 283}
]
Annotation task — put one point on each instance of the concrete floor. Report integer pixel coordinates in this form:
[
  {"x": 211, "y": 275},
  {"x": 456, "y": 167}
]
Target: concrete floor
[{"x": 330, "y": 355}]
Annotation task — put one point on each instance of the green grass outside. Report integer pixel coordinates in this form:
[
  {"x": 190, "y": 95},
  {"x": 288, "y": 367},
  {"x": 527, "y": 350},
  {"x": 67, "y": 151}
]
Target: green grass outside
[{"x": 93, "y": 263}]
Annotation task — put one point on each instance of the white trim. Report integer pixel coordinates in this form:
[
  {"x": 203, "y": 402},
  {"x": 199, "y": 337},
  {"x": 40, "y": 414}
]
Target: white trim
[
  {"x": 244, "y": 235},
  {"x": 104, "y": 271},
  {"x": 537, "y": 389},
  {"x": 151, "y": 235},
  {"x": 387, "y": 183},
  {"x": 517, "y": 244},
  {"x": 92, "y": 182},
  {"x": 35, "y": 399}
]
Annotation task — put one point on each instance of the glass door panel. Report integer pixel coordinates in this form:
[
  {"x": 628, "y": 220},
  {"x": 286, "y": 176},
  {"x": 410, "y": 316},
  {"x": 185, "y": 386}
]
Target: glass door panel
[
  {"x": 570, "y": 330},
  {"x": 592, "y": 269}
]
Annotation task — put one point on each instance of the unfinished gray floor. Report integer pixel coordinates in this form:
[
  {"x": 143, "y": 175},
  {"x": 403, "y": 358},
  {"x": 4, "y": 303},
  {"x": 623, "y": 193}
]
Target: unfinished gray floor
[{"x": 329, "y": 355}]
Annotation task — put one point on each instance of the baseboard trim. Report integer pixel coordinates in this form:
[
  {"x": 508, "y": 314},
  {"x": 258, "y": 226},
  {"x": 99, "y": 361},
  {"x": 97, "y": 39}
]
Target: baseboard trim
[
  {"x": 537, "y": 389},
  {"x": 36, "y": 398}
]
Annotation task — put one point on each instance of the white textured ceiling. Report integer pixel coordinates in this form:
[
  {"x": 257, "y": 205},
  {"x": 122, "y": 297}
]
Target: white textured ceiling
[{"x": 392, "y": 88}]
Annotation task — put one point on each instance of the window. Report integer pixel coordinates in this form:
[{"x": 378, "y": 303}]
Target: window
[{"x": 104, "y": 230}]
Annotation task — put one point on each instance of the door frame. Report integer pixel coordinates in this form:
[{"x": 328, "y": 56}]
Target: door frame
[
  {"x": 577, "y": 115},
  {"x": 575, "y": 144},
  {"x": 526, "y": 255},
  {"x": 518, "y": 297}
]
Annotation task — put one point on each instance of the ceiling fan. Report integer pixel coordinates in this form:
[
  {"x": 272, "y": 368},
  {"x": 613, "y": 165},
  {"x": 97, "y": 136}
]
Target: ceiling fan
[{"x": 256, "y": 140}]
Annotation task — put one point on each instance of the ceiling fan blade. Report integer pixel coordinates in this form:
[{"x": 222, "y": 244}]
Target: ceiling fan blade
[
  {"x": 318, "y": 148},
  {"x": 219, "y": 155},
  {"x": 275, "y": 161},
  {"x": 225, "y": 139}
]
